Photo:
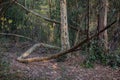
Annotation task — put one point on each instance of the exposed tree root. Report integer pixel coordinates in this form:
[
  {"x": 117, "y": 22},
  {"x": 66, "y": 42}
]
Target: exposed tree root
[{"x": 20, "y": 59}]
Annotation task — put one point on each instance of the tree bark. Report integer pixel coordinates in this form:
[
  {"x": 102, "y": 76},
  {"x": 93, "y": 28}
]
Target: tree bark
[
  {"x": 64, "y": 26},
  {"x": 64, "y": 30},
  {"x": 29, "y": 51},
  {"x": 103, "y": 22},
  {"x": 87, "y": 23}
]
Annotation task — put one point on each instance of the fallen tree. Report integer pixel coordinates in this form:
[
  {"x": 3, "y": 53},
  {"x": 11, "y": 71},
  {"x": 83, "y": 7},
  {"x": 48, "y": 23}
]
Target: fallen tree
[
  {"x": 74, "y": 48},
  {"x": 29, "y": 51}
]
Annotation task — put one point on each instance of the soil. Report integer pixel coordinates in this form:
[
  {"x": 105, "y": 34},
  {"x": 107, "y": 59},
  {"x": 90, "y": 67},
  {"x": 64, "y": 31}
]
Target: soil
[{"x": 71, "y": 69}]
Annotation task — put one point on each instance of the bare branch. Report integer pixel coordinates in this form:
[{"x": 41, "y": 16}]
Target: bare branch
[
  {"x": 17, "y": 35},
  {"x": 29, "y": 51},
  {"x": 35, "y": 59},
  {"x": 45, "y": 18},
  {"x": 36, "y": 14}
]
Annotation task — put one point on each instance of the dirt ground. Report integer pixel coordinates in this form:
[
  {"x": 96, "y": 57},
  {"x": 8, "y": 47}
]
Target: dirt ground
[{"x": 71, "y": 69}]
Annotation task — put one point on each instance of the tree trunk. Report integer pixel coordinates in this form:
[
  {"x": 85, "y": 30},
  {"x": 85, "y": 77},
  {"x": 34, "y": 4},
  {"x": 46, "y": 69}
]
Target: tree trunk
[
  {"x": 87, "y": 23},
  {"x": 64, "y": 28},
  {"x": 103, "y": 22}
]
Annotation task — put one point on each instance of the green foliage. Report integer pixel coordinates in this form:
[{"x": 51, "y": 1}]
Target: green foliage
[
  {"x": 97, "y": 55},
  {"x": 113, "y": 59},
  {"x": 115, "y": 4},
  {"x": 4, "y": 23},
  {"x": 16, "y": 15},
  {"x": 12, "y": 18}
]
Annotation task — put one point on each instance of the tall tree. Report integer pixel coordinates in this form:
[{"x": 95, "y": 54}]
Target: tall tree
[
  {"x": 65, "y": 44},
  {"x": 64, "y": 26},
  {"x": 87, "y": 23},
  {"x": 102, "y": 23}
]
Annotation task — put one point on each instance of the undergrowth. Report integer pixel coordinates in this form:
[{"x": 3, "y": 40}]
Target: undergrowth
[{"x": 98, "y": 55}]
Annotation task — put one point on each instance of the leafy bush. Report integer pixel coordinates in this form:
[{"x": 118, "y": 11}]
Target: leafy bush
[
  {"x": 98, "y": 55},
  {"x": 113, "y": 59}
]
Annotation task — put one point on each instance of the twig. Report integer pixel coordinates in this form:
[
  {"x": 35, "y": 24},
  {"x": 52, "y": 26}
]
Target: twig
[{"x": 17, "y": 35}]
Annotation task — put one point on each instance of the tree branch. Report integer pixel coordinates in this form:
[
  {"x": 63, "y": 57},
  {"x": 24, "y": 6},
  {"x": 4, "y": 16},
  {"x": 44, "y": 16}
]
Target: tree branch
[
  {"x": 36, "y": 14},
  {"x": 29, "y": 51},
  {"x": 10, "y": 34},
  {"x": 35, "y": 59},
  {"x": 45, "y": 18}
]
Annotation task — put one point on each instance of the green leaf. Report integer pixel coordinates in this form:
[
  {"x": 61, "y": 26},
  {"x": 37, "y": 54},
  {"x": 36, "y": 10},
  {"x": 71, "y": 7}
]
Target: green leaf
[{"x": 10, "y": 21}]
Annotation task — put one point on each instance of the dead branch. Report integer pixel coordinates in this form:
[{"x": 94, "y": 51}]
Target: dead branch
[
  {"x": 29, "y": 51},
  {"x": 10, "y": 34},
  {"x": 45, "y": 18},
  {"x": 36, "y": 14},
  {"x": 66, "y": 51}
]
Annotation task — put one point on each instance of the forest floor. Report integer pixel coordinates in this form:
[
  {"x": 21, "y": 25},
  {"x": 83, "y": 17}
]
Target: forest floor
[{"x": 71, "y": 69}]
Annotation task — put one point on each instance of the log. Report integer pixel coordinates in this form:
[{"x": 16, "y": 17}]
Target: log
[{"x": 29, "y": 51}]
